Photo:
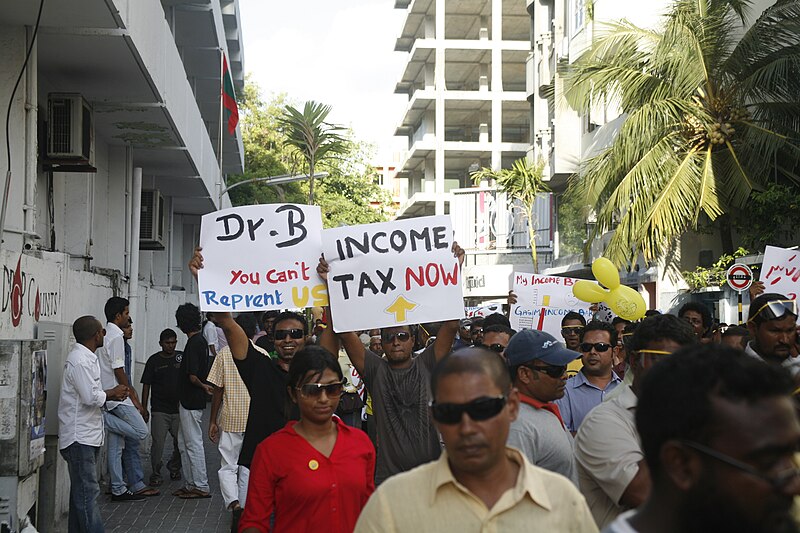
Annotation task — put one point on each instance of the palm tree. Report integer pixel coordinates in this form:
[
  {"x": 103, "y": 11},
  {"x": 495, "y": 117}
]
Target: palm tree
[
  {"x": 709, "y": 119},
  {"x": 522, "y": 182},
  {"x": 313, "y": 137}
]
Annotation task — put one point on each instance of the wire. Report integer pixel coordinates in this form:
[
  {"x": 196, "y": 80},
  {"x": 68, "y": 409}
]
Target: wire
[{"x": 7, "y": 188}]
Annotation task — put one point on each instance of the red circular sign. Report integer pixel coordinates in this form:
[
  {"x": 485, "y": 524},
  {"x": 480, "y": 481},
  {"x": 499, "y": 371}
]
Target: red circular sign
[{"x": 740, "y": 277}]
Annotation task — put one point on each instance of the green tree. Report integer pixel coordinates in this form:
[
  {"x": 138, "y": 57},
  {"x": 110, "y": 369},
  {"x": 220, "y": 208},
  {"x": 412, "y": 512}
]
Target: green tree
[
  {"x": 709, "y": 119},
  {"x": 314, "y": 139},
  {"x": 522, "y": 182}
]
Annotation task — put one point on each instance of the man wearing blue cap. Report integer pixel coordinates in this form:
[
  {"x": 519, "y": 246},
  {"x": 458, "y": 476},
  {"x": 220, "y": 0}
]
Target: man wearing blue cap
[{"x": 538, "y": 365}]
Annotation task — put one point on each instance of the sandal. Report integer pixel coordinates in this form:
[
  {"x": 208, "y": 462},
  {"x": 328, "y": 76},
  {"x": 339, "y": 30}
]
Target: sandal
[
  {"x": 195, "y": 495},
  {"x": 147, "y": 491},
  {"x": 181, "y": 492}
]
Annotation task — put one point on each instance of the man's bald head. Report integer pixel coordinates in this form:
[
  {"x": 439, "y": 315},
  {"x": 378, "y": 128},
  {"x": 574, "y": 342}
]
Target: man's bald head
[
  {"x": 85, "y": 328},
  {"x": 474, "y": 360}
]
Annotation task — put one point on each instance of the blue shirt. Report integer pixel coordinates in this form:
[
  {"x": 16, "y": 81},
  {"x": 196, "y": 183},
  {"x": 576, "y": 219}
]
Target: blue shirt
[{"x": 580, "y": 397}]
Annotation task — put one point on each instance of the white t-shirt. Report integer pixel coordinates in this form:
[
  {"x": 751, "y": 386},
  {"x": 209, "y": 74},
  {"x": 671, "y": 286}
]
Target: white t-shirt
[
  {"x": 111, "y": 356},
  {"x": 210, "y": 334}
]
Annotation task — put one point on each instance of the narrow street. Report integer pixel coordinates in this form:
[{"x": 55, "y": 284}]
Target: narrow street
[{"x": 168, "y": 513}]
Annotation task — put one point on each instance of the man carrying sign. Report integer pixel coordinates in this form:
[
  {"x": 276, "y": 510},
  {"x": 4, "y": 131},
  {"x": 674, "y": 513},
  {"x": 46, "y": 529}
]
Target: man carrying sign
[{"x": 400, "y": 388}]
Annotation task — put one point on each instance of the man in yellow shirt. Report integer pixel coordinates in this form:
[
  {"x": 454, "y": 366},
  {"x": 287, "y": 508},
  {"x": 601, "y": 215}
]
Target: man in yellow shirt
[{"x": 478, "y": 483}]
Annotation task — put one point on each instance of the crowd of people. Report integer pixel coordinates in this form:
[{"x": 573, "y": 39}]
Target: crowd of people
[{"x": 668, "y": 424}]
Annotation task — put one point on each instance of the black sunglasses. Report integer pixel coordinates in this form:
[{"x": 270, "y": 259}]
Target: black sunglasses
[
  {"x": 496, "y": 347},
  {"x": 281, "y": 334},
  {"x": 402, "y": 336},
  {"x": 569, "y": 330},
  {"x": 314, "y": 390},
  {"x": 551, "y": 370},
  {"x": 478, "y": 409},
  {"x": 598, "y": 346}
]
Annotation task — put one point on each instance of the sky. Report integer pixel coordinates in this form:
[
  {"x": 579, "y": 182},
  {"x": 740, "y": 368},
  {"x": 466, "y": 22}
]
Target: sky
[{"x": 338, "y": 52}]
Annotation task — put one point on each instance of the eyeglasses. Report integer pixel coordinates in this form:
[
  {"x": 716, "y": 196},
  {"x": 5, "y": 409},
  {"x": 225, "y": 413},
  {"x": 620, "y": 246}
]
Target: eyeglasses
[
  {"x": 598, "y": 346},
  {"x": 551, "y": 370},
  {"x": 314, "y": 390},
  {"x": 479, "y": 409},
  {"x": 496, "y": 347},
  {"x": 653, "y": 354},
  {"x": 570, "y": 330},
  {"x": 401, "y": 336},
  {"x": 281, "y": 334},
  {"x": 776, "y": 309},
  {"x": 778, "y": 481}
]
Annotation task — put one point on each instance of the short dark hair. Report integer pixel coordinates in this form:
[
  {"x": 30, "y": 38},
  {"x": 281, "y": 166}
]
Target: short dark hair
[
  {"x": 573, "y": 315},
  {"x": 189, "y": 318},
  {"x": 495, "y": 318},
  {"x": 651, "y": 312},
  {"x": 114, "y": 306},
  {"x": 314, "y": 359},
  {"x": 248, "y": 323},
  {"x": 735, "y": 331},
  {"x": 85, "y": 328},
  {"x": 599, "y": 325},
  {"x": 472, "y": 360},
  {"x": 675, "y": 399},
  {"x": 661, "y": 327},
  {"x": 476, "y": 321},
  {"x": 754, "y": 314},
  {"x": 619, "y": 320},
  {"x": 269, "y": 315},
  {"x": 499, "y": 328},
  {"x": 291, "y": 315},
  {"x": 697, "y": 307},
  {"x": 432, "y": 328},
  {"x": 167, "y": 334}
]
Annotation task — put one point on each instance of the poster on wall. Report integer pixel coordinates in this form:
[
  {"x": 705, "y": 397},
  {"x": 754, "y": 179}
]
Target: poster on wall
[
  {"x": 261, "y": 257},
  {"x": 38, "y": 402},
  {"x": 393, "y": 273},
  {"x": 542, "y": 301}
]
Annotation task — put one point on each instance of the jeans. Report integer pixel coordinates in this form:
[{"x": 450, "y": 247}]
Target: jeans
[
  {"x": 127, "y": 428},
  {"x": 84, "y": 515},
  {"x": 161, "y": 424},
  {"x": 232, "y": 477},
  {"x": 193, "y": 457}
]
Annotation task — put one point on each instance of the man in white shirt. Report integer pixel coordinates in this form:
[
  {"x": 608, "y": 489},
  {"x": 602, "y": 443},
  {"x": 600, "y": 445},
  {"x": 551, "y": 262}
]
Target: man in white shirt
[
  {"x": 80, "y": 423},
  {"x": 124, "y": 420}
]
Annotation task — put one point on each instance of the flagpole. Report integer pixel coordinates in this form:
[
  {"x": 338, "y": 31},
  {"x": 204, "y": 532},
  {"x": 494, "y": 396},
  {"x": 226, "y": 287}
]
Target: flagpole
[{"x": 221, "y": 117}]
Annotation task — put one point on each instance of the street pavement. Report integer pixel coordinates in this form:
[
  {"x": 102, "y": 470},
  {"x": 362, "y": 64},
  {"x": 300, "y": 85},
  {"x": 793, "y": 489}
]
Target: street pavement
[{"x": 168, "y": 513}]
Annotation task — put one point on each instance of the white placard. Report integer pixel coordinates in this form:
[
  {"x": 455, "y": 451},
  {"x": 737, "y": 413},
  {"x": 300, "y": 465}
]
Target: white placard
[
  {"x": 542, "y": 301},
  {"x": 780, "y": 271},
  {"x": 261, "y": 257},
  {"x": 393, "y": 273}
]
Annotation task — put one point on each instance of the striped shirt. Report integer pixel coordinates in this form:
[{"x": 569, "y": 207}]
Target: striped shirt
[{"x": 235, "y": 398}]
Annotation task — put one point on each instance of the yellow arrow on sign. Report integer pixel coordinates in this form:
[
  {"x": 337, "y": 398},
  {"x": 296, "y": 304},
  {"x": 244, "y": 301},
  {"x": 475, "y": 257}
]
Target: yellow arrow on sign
[{"x": 400, "y": 307}]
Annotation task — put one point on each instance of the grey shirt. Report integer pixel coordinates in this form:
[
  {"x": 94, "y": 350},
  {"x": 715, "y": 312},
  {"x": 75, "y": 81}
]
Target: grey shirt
[
  {"x": 544, "y": 441},
  {"x": 406, "y": 436}
]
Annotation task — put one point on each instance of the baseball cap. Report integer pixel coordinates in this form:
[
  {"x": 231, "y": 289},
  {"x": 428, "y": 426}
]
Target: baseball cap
[
  {"x": 465, "y": 322},
  {"x": 531, "y": 344}
]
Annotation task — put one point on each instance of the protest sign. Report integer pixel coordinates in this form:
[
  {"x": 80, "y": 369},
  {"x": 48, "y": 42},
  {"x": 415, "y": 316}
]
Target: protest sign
[
  {"x": 542, "y": 301},
  {"x": 393, "y": 273},
  {"x": 261, "y": 257},
  {"x": 780, "y": 271}
]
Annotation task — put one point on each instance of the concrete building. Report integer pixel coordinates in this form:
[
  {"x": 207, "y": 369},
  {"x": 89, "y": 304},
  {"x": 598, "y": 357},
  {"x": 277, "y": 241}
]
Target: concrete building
[
  {"x": 114, "y": 144},
  {"x": 465, "y": 82}
]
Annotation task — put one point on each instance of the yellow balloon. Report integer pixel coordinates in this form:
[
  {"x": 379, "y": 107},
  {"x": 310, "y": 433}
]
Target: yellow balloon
[
  {"x": 606, "y": 273},
  {"x": 589, "y": 291},
  {"x": 627, "y": 303}
]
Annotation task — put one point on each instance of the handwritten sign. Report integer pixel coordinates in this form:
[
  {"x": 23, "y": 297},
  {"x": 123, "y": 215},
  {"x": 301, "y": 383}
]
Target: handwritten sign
[
  {"x": 393, "y": 273},
  {"x": 542, "y": 301},
  {"x": 780, "y": 271},
  {"x": 261, "y": 257}
]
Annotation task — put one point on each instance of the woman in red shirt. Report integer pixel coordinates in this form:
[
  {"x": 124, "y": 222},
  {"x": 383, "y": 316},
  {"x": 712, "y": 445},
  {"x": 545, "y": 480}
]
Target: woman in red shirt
[{"x": 315, "y": 474}]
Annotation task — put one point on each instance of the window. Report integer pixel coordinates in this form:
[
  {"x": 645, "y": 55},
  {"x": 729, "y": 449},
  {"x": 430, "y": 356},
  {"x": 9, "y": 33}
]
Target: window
[{"x": 578, "y": 15}]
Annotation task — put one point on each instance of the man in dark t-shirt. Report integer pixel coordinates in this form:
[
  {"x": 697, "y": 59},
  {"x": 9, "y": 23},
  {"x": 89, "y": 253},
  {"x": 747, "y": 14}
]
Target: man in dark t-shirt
[
  {"x": 193, "y": 392},
  {"x": 161, "y": 376},
  {"x": 266, "y": 380}
]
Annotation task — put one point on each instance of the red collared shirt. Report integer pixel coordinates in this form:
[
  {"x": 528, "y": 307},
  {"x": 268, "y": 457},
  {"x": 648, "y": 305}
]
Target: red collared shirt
[{"x": 306, "y": 490}]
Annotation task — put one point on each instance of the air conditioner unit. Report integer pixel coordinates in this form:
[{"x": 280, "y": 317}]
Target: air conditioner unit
[
  {"x": 70, "y": 129},
  {"x": 151, "y": 224}
]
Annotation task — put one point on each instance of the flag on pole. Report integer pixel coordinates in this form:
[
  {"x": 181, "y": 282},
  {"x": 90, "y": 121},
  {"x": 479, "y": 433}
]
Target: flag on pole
[{"x": 229, "y": 96}]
